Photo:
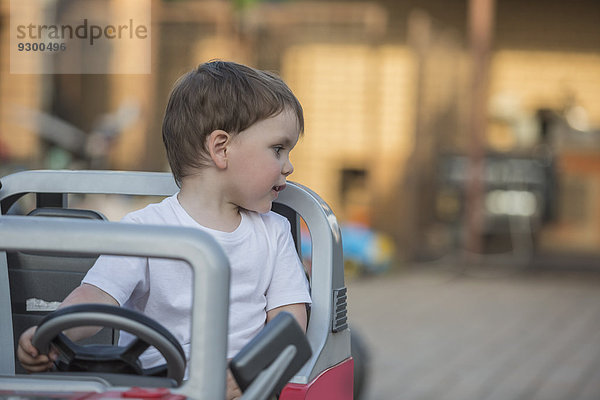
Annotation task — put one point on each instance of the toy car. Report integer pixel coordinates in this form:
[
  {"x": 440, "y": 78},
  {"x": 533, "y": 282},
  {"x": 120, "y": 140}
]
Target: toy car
[{"x": 328, "y": 373}]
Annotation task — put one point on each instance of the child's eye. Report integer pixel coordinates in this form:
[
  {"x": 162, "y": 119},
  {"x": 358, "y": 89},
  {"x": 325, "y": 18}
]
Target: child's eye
[{"x": 277, "y": 149}]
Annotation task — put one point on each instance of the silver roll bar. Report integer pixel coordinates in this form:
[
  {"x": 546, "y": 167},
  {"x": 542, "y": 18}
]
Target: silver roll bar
[{"x": 210, "y": 282}]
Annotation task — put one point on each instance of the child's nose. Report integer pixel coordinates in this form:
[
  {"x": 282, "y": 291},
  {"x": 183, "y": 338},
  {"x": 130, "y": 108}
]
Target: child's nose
[{"x": 288, "y": 168}]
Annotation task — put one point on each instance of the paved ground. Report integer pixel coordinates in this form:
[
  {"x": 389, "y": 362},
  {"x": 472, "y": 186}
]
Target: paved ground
[{"x": 487, "y": 334}]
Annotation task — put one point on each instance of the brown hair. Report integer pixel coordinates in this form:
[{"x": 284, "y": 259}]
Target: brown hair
[{"x": 219, "y": 95}]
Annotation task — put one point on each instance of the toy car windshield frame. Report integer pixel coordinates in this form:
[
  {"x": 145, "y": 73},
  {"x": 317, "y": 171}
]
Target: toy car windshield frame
[{"x": 327, "y": 332}]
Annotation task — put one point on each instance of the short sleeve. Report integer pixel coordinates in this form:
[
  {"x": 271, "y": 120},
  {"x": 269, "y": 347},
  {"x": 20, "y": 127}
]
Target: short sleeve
[
  {"x": 121, "y": 277},
  {"x": 124, "y": 278},
  {"x": 288, "y": 283}
]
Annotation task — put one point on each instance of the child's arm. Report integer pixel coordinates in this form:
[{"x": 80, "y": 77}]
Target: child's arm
[
  {"x": 298, "y": 310},
  {"x": 86, "y": 293},
  {"x": 29, "y": 356}
]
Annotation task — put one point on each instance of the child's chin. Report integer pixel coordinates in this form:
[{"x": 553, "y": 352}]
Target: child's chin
[
  {"x": 264, "y": 210},
  {"x": 261, "y": 209}
]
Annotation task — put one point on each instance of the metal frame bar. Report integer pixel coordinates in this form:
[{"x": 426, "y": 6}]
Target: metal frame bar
[{"x": 210, "y": 266}]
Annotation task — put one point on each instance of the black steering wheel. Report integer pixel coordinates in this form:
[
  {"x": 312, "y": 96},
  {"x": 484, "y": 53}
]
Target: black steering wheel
[{"x": 109, "y": 358}]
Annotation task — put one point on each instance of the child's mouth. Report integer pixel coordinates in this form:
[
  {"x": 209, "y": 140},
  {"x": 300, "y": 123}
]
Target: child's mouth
[{"x": 278, "y": 188}]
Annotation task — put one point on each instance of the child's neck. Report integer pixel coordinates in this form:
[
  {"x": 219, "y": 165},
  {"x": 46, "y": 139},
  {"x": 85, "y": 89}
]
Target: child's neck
[{"x": 207, "y": 207}]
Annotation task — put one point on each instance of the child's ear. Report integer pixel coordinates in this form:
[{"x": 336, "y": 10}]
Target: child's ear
[{"x": 218, "y": 142}]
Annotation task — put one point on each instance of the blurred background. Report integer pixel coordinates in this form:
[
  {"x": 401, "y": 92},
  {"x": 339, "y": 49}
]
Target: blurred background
[{"x": 456, "y": 141}]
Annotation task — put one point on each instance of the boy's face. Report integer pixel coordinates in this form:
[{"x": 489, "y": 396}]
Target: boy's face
[{"x": 258, "y": 161}]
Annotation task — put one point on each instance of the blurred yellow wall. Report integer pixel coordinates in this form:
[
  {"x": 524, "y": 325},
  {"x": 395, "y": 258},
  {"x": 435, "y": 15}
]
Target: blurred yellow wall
[
  {"x": 359, "y": 111},
  {"x": 17, "y": 92},
  {"x": 360, "y": 95},
  {"x": 544, "y": 78}
]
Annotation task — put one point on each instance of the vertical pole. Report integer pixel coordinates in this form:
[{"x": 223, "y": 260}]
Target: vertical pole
[
  {"x": 420, "y": 32},
  {"x": 7, "y": 353},
  {"x": 481, "y": 18}
]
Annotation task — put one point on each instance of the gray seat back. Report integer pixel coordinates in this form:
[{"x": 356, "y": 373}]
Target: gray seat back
[{"x": 39, "y": 281}]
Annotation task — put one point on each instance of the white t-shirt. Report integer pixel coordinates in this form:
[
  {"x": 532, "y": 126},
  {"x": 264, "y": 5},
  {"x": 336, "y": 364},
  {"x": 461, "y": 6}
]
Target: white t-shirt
[{"x": 266, "y": 273}]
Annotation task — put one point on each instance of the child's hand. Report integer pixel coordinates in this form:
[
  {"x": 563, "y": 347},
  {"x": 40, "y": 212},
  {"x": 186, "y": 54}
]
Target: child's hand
[
  {"x": 233, "y": 390},
  {"x": 30, "y": 358}
]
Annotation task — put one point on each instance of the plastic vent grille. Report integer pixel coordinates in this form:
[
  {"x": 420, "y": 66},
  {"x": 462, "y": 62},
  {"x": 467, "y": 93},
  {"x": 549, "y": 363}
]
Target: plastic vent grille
[{"x": 340, "y": 317}]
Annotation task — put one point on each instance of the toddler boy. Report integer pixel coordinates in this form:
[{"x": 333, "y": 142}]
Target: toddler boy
[{"x": 228, "y": 132}]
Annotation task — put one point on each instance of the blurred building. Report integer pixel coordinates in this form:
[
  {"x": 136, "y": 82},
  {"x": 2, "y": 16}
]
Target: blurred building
[{"x": 384, "y": 86}]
